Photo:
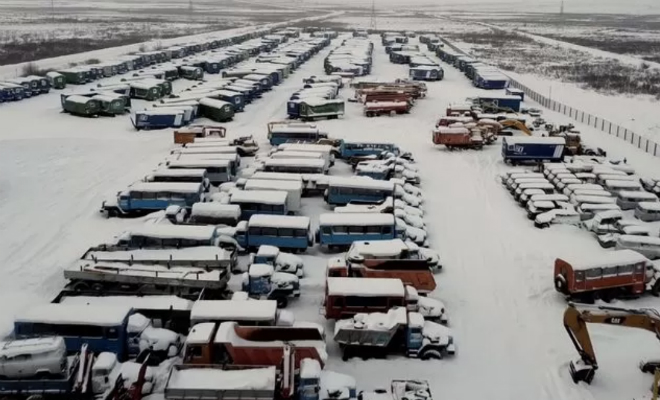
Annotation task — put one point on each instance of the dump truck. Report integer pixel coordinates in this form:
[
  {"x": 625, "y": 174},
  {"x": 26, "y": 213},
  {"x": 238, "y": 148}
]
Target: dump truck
[
  {"x": 397, "y": 331},
  {"x": 457, "y": 137}
]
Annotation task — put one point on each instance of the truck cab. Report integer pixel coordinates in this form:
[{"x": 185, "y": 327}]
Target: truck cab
[
  {"x": 283, "y": 262},
  {"x": 262, "y": 281},
  {"x": 143, "y": 336}
]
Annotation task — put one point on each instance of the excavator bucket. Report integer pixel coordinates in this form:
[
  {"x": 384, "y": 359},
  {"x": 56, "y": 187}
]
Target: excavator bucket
[{"x": 582, "y": 372}]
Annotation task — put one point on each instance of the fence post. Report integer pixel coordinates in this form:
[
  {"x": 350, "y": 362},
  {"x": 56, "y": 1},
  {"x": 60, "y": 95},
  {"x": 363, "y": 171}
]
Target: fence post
[
  {"x": 602, "y": 125},
  {"x": 639, "y": 141},
  {"x": 610, "y": 130},
  {"x": 647, "y": 146},
  {"x": 625, "y": 134},
  {"x": 595, "y": 122},
  {"x": 589, "y": 120},
  {"x": 617, "y": 130},
  {"x": 655, "y": 150}
]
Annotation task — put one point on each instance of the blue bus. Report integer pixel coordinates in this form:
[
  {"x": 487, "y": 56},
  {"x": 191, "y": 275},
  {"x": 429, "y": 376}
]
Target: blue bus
[
  {"x": 362, "y": 149},
  {"x": 286, "y": 232},
  {"x": 145, "y": 197},
  {"x": 294, "y": 132},
  {"x": 102, "y": 328},
  {"x": 342, "y": 191},
  {"x": 342, "y": 229},
  {"x": 259, "y": 202}
]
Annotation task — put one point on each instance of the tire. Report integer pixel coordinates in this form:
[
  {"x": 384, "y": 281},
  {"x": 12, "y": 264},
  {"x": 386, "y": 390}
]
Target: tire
[
  {"x": 432, "y": 354},
  {"x": 560, "y": 284},
  {"x": 80, "y": 287},
  {"x": 97, "y": 287}
]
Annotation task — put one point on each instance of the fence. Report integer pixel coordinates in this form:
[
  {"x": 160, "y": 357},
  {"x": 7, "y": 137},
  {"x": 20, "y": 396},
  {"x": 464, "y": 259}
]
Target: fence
[{"x": 647, "y": 145}]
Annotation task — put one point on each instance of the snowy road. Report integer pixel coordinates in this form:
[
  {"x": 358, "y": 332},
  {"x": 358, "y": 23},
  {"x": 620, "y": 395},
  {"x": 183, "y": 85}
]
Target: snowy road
[{"x": 497, "y": 280}]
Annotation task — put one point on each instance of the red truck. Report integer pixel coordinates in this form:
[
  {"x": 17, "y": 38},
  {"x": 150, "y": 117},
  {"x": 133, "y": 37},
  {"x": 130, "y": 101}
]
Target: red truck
[
  {"x": 228, "y": 343},
  {"x": 457, "y": 137}
]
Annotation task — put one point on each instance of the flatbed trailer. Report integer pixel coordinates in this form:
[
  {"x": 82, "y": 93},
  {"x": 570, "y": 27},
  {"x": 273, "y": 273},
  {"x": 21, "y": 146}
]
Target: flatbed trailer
[
  {"x": 205, "y": 257},
  {"x": 143, "y": 279}
]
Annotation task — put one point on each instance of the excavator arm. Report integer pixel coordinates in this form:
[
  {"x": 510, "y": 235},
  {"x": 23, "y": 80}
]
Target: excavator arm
[
  {"x": 512, "y": 123},
  {"x": 576, "y": 318}
]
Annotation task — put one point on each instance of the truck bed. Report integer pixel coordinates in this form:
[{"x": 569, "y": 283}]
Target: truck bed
[
  {"x": 55, "y": 386},
  {"x": 213, "y": 382},
  {"x": 206, "y": 257}
]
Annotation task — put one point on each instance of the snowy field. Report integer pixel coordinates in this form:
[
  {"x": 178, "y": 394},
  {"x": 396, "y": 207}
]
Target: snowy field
[{"x": 497, "y": 277}]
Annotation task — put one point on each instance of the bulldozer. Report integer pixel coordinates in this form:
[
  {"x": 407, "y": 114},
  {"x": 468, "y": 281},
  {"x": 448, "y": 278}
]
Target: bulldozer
[
  {"x": 576, "y": 318},
  {"x": 574, "y": 146}
]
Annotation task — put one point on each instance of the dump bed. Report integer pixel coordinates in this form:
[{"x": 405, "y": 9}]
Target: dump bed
[{"x": 210, "y": 383}]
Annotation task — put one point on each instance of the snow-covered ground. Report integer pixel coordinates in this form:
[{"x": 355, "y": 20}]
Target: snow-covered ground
[{"x": 497, "y": 277}]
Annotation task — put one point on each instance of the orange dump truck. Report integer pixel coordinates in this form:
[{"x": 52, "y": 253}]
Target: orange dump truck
[
  {"x": 228, "y": 343},
  {"x": 453, "y": 137}
]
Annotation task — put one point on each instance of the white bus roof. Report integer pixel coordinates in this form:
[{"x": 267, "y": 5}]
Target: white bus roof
[
  {"x": 173, "y": 231},
  {"x": 297, "y": 162},
  {"x": 649, "y": 206},
  {"x": 75, "y": 314},
  {"x": 378, "y": 248},
  {"x": 279, "y": 221},
  {"x": 137, "y": 302},
  {"x": 533, "y": 139},
  {"x": 296, "y": 154},
  {"x": 198, "y": 163},
  {"x": 356, "y": 219},
  {"x": 234, "y": 310},
  {"x": 609, "y": 259},
  {"x": 175, "y": 187},
  {"x": 214, "y": 103},
  {"x": 188, "y": 172},
  {"x": 365, "y": 287},
  {"x": 615, "y": 183},
  {"x": 219, "y": 148},
  {"x": 258, "y": 196},
  {"x": 638, "y": 195},
  {"x": 640, "y": 239},
  {"x": 216, "y": 210},
  {"x": 278, "y": 176},
  {"x": 262, "y": 184},
  {"x": 361, "y": 182},
  {"x": 323, "y": 148},
  {"x": 549, "y": 197}
]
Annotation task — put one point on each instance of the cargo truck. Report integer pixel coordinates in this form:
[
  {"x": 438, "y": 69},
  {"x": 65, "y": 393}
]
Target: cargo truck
[{"x": 520, "y": 149}]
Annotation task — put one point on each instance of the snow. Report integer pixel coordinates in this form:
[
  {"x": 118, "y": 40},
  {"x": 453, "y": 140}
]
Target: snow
[
  {"x": 649, "y": 206},
  {"x": 201, "y": 333},
  {"x": 261, "y": 270},
  {"x": 619, "y": 184},
  {"x": 310, "y": 369},
  {"x": 638, "y": 196},
  {"x": 75, "y": 314},
  {"x": 216, "y": 210},
  {"x": 214, "y": 103},
  {"x": 78, "y": 99},
  {"x": 268, "y": 251},
  {"x": 195, "y": 254},
  {"x": 105, "y": 361},
  {"x": 533, "y": 140},
  {"x": 355, "y": 219},
  {"x": 365, "y": 287},
  {"x": 174, "y": 187},
  {"x": 258, "y": 196},
  {"x": 296, "y": 154},
  {"x": 212, "y": 379},
  {"x": 609, "y": 259},
  {"x": 378, "y": 248},
  {"x": 198, "y": 163},
  {"x": 12, "y": 348},
  {"x": 374, "y": 321},
  {"x": 219, "y": 149},
  {"x": 97, "y": 270},
  {"x": 137, "y": 323},
  {"x": 361, "y": 182},
  {"x": 379, "y": 104},
  {"x": 296, "y": 162},
  {"x": 637, "y": 239},
  {"x": 320, "y": 148},
  {"x": 234, "y": 310},
  {"x": 315, "y": 101},
  {"x": 259, "y": 184},
  {"x": 137, "y": 302},
  {"x": 162, "y": 231}
]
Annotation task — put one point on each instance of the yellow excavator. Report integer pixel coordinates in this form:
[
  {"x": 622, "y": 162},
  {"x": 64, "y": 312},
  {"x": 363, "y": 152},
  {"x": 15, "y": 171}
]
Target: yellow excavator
[
  {"x": 515, "y": 124},
  {"x": 576, "y": 318}
]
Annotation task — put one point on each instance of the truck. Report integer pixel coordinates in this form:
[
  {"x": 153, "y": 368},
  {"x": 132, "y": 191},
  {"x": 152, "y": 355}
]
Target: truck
[
  {"x": 496, "y": 104},
  {"x": 519, "y": 149},
  {"x": 228, "y": 343},
  {"x": 400, "y": 390},
  {"x": 377, "y": 108},
  {"x": 283, "y": 262},
  {"x": 262, "y": 282},
  {"x": 397, "y": 331},
  {"x": 190, "y": 133},
  {"x": 458, "y": 137},
  {"x": 365, "y": 260}
]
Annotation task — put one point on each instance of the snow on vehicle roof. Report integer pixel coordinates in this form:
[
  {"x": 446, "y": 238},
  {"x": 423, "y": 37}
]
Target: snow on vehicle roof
[
  {"x": 365, "y": 287},
  {"x": 205, "y": 101},
  {"x": 543, "y": 204},
  {"x": 53, "y": 74},
  {"x": 609, "y": 259},
  {"x": 355, "y": 219},
  {"x": 638, "y": 239},
  {"x": 258, "y": 196},
  {"x": 75, "y": 314},
  {"x": 320, "y": 148},
  {"x": 188, "y": 172},
  {"x": 456, "y": 130},
  {"x": 535, "y": 185},
  {"x": 160, "y": 111},
  {"x": 601, "y": 206},
  {"x": 649, "y": 206},
  {"x": 433, "y": 67},
  {"x": 208, "y": 150},
  {"x": 261, "y": 270},
  {"x": 12, "y": 348},
  {"x": 182, "y": 273},
  {"x": 637, "y": 195},
  {"x": 143, "y": 84},
  {"x": 201, "y": 333},
  {"x": 262, "y": 184},
  {"x": 77, "y": 99},
  {"x": 278, "y": 176},
  {"x": 174, "y": 187},
  {"x": 193, "y": 162},
  {"x": 361, "y": 182},
  {"x": 279, "y": 221},
  {"x": 378, "y": 248},
  {"x": 376, "y": 321},
  {"x": 234, "y": 310},
  {"x": 212, "y": 380},
  {"x": 137, "y": 302},
  {"x": 105, "y": 361},
  {"x": 268, "y": 251},
  {"x": 317, "y": 102},
  {"x": 192, "y": 254},
  {"x": 105, "y": 97},
  {"x": 297, "y": 154},
  {"x": 173, "y": 231},
  {"x": 310, "y": 369},
  {"x": 297, "y": 162},
  {"x": 616, "y": 183},
  {"x": 378, "y": 104},
  {"x": 215, "y": 210},
  {"x": 509, "y": 140},
  {"x": 548, "y": 197}
]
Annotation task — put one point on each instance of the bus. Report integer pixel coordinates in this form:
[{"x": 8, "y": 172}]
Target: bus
[
  {"x": 295, "y": 165},
  {"x": 294, "y": 191},
  {"x": 259, "y": 202},
  {"x": 361, "y": 149},
  {"x": 342, "y": 229},
  {"x": 144, "y": 197},
  {"x": 102, "y": 328},
  {"x": 234, "y": 159},
  {"x": 180, "y": 176},
  {"x": 281, "y": 133},
  {"x": 219, "y": 171},
  {"x": 342, "y": 191},
  {"x": 284, "y": 232}
]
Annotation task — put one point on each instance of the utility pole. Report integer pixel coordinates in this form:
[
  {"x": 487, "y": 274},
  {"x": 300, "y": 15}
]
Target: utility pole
[
  {"x": 190, "y": 7},
  {"x": 372, "y": 24},
  {"x": 52, "y": 9},
  {"x": 561, "y": 9}
]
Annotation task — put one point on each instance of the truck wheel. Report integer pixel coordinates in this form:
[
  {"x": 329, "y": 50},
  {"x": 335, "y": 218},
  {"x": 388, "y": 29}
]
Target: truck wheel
[
  {"x": 560, "y": 284},
  {"x": 431, "y": 355},
  {"x": 282, "y": 302},
  {"x": 80, "y": 287}
]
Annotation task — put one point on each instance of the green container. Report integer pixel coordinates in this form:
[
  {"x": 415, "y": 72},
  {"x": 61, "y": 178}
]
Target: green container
[
  {"x": 320, "y": 108},
  {"x": 216, "y": 110},
  {"x": 57, "y": 80},
  {"x": 110, "y": 105},
  {"x": 81, "y": 105},
  {"x": 74, "y": 77},
  {"x": 147, "y": 91}
]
